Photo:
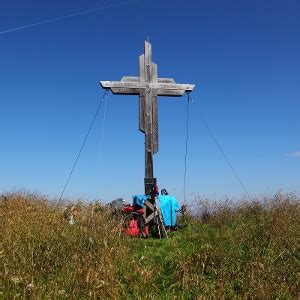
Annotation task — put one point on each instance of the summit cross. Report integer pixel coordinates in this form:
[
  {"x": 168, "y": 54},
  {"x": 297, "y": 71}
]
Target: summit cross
[{"x": 148, "y": 86}]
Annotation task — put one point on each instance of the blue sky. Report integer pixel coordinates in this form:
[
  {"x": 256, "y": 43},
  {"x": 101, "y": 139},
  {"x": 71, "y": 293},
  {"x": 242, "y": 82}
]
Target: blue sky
[{"x": 243, "y": 57}]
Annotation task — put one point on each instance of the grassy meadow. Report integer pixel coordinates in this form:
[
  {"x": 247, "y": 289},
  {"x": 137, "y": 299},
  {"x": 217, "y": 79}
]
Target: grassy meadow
[{"x": 245, "y": 249}]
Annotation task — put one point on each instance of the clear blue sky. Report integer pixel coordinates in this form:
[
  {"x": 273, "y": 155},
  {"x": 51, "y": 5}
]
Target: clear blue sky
[{"x": 243, "y": 57}]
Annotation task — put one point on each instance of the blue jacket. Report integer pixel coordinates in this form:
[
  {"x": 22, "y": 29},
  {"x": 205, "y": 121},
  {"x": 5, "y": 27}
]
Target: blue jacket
[
  {"x": 168, "y": 206},
  {"x": 139, "y": 200}
]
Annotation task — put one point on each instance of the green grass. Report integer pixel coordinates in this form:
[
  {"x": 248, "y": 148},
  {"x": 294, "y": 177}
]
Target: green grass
[{"x": 248, "y": 249}]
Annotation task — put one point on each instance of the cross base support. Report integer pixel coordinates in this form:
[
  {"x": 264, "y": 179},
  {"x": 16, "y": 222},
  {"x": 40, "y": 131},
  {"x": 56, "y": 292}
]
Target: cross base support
[
  {"x": 154, "y": 220},
  {"x": 150, "y": 184}
]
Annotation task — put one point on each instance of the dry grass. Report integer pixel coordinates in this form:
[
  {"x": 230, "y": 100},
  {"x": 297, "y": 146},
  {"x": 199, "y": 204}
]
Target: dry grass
[
  {"x": 249, "y": 249},
  {"x": 244, "y": 249},
  {"x": 45, "y": 256}
]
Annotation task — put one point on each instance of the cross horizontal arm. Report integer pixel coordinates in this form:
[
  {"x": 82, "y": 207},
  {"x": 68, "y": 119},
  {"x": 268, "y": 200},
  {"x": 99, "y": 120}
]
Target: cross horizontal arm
[{"x": 135, "y": 87}]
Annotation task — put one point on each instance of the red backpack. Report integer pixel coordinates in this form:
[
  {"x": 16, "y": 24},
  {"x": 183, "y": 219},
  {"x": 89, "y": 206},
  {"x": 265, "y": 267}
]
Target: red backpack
[{"x": 135, "y": 224}]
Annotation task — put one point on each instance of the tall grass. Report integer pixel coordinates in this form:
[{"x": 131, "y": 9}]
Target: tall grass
[
  {"x": 249, "y": 249},
  {"x": 244, "y": 249},
  {"x": 45, "y": 256}
]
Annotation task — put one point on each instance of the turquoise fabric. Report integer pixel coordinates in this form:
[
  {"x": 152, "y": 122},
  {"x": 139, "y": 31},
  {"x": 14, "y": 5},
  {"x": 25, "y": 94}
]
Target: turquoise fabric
[
  {"x": 168, "y": 206},
  {"x": 139, "y": 200}
]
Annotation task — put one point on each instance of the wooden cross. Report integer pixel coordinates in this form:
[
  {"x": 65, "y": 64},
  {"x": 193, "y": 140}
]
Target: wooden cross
[{"x": 148, "y": 86}]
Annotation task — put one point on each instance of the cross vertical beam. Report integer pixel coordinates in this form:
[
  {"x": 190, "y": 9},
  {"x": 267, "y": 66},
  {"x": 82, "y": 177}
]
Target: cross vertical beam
[{"x": 148, "y": 114}]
